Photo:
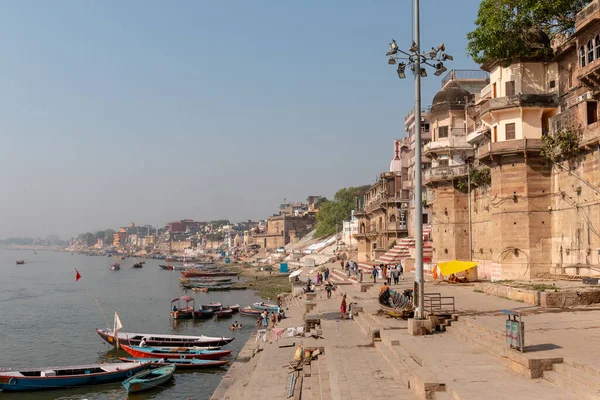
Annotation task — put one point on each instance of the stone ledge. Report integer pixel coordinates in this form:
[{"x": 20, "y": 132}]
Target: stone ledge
[{"x": 508, "y": 292}]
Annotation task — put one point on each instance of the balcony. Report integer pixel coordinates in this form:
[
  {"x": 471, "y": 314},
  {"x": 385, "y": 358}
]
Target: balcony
[
  {"x": 588, "y": 15},
  {"x": 398, "y": 226},
  {"x": 508, "y": 147},
  {"x": 589, "y": 75},
  {"x": 477, "y": 132},
  {"x": 457, "y": 139},
  {"x": 519, "y": 101},
  {"x": 444, "y": 173}
]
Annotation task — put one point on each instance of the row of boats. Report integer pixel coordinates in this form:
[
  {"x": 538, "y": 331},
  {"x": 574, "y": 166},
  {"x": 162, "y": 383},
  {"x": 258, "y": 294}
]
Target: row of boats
[
  {"x": 153, "y": 358},
  {"x": 184, "y": 308}
]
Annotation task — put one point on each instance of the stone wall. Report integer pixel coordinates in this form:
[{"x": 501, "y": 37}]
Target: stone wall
[
  {"x": 481, "y": 227},
  {"x": 576, "y": 217},
  {"x": 450, "y": 223}
]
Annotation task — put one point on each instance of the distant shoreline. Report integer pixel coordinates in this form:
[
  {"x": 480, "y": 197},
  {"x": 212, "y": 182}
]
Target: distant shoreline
[{"x": 30, "y": 247}]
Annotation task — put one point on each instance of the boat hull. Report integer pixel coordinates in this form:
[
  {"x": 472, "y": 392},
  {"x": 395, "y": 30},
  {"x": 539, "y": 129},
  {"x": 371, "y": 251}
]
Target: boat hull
[
  {"x": 179, "y": 363},
  {"x": 192, "y": 274},
  {"x": 157, "y": 340},
  {"x": 149, "y": 379},
  {"x": 149, "y": 352},
  {"x": 10, "y": 381}
]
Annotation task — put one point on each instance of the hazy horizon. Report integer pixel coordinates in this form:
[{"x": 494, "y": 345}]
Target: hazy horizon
[{"x": 148, "y": 112}]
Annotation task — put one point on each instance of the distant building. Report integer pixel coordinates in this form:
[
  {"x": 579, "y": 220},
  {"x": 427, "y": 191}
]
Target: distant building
[
  {"x": 350, "y": 229},
  {"x": 283, "y": 229}
]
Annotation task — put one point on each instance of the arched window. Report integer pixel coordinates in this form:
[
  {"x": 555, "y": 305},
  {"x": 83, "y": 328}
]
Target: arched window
[
  {"x": 362, "y": 228},
  {"x": 581, "y": 57},
  {"x": 597, "y": 44},
  {"x": 392, "y": 218},
  {"x": 590, "y": 51}
]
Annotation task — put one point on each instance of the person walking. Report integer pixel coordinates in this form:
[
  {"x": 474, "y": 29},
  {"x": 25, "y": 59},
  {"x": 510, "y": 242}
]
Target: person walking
[
  {"x": 374, "y": 273},
  {"x": 328, "y": 289},
  {"x": 389, "y": 275},
  {"x": 396, "y": 274},
  {"x": 343, "y": 307},
  {"x": 401, "y": 268},
  {"x": 380, "y": 272}
]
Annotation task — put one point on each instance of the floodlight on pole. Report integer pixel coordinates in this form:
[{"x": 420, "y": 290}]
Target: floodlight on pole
[{"x": 417, "y": 62}]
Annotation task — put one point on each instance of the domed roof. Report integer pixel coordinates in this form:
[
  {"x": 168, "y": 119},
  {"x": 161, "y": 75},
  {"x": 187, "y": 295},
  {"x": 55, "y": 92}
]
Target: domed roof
[
  {"x": 451, "y": 95},
  {"x": 396, "y": 165}
]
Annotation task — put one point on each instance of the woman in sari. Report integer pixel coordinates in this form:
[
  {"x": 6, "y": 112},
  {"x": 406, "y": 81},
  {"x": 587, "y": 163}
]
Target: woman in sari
[{"x": 343, "y": 307}]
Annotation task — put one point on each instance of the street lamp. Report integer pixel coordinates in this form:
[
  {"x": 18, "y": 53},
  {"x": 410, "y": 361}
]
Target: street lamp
[{"x": 418, "y": 61}]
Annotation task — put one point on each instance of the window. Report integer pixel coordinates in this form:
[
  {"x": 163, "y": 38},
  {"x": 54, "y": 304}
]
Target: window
[
  {"x": 581, "y": 57},
  {"x": 570, "y": 78},
  {"x": 552, "y": 84},
  {"x": 590, "y": 51},
  {"x": 425, "y": 128},
  {"x": 509, "y": 130},
  {"x": 509, "y": 88},
  {"x": 597, "y": 43},
  {"x": 443, "y": 132},
  {"x": 592, "y": 112},
  {"x": 443, "y": 163}
]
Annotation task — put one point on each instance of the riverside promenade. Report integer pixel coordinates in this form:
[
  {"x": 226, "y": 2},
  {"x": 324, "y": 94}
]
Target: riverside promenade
[{"x": 373, "y": 356}]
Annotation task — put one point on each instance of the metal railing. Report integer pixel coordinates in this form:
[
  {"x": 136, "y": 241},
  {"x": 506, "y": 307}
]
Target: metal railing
[
  {"x": 437, "y": 304},
  {"x": 444, "y": 172},
  {"x": 464, "y": 74}
]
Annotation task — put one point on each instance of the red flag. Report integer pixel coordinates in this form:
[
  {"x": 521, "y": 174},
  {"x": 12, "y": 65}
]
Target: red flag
[{"x": 77, "y": 276}]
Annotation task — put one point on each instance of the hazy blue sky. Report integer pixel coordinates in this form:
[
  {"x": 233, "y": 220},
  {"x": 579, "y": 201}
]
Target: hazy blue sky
[{"x": 151, "y": 111}]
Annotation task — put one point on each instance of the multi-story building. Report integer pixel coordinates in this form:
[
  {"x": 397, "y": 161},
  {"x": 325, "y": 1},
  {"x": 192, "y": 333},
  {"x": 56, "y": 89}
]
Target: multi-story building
[
  {"x": 450, "y": 154},
  {"x": 382, "y": 211},
  {"x": 349, "y": 230}
]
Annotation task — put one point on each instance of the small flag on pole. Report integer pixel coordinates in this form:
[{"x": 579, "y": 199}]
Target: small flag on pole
[{"x": 77, "y": 275}]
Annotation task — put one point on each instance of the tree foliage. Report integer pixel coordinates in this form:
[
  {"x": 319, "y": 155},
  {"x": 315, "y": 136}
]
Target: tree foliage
[
  {"x": 506, "y": 29},
  {"x": 333, "y": 212}
]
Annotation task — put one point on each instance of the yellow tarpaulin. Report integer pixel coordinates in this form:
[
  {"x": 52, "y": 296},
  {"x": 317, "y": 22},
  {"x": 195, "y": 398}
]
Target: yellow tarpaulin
[{"x": 454, "y": 267}]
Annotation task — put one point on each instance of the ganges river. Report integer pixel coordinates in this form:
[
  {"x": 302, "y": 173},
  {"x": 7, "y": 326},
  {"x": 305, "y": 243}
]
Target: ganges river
[{"x": 48, "y": 319}]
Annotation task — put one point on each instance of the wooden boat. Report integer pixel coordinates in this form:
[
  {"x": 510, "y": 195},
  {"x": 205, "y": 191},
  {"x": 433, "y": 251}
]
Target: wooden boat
[
  {"x": 238, "y": 288},
  {"x": 179, "y": 312},
  {"x": 196, "y": 273},
  {"x": 265, "y": 306},
  {"x": 148, "y": 379},
  {"x": 203, "y": 279},
  {"x": 115, "y": 267},
  {"x": 250, "y": 312},
  {"x": 137, "y": 265},
  {"x": 179, "y": 352},
  {"x": 204, "y": 314},
  {"x": 200, "y": 289},
  {"x": 212, "y": 306},
  {"x": 65, "y": 377},
  {"x": 395, "y": 304},
  {"x": 180, "y": 363},
  {"x": 167, "y": 267},
  {"x": 20, "y": 262},
  {"x": 224, "y": 313},
  {"x": 153, "y": 339},
  {"x": 235, "y": 307}
]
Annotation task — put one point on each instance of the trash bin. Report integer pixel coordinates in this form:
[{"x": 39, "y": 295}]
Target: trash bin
[{"x": 283, "y": 267}]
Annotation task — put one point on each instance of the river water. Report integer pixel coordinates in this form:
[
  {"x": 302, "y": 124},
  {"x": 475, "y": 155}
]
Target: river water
[{"x": 48, "y": 319}]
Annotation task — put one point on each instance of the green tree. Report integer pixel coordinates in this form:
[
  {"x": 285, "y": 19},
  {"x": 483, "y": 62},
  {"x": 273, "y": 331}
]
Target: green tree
[
  {"x": 333, "y": 212},
  {"x": 108, "y": 236},
  {"x": 507, "y": 29}
]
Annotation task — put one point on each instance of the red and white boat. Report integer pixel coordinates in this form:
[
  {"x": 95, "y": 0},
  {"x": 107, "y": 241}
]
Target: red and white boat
[
  {"x": 175, "y": 352},
  {"x": 154, "y": 339}
]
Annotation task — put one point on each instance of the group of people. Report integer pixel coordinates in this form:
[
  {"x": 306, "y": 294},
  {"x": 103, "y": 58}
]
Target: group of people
[
  {"x": 349, "y": 267},
  {"x": 268, "y": 319},
  {"x": 388, "y": 272},
  {"x": 322, "y": 276}
]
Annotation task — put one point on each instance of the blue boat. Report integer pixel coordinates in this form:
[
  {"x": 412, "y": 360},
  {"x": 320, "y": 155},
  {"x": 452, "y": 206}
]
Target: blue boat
[
  {"x": 263, "y": 306},
  {"x": 180, "y": 363},
  {"x": 149, "y": 379},
  {"x": 65, "y": 377}
]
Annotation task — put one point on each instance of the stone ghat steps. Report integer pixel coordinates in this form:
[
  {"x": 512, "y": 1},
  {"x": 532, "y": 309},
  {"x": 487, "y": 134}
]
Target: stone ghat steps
[
  {"x": 531, "y": 365},
  {"x": 579, "y": 379},
  {"x": 441, "y": 366},
  {"x": 339, "y": 278}
]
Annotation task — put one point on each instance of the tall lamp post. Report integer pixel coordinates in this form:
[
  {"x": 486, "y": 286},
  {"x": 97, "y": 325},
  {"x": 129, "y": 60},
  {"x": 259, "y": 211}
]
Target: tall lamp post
[{"x": 417, "y": 61}]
